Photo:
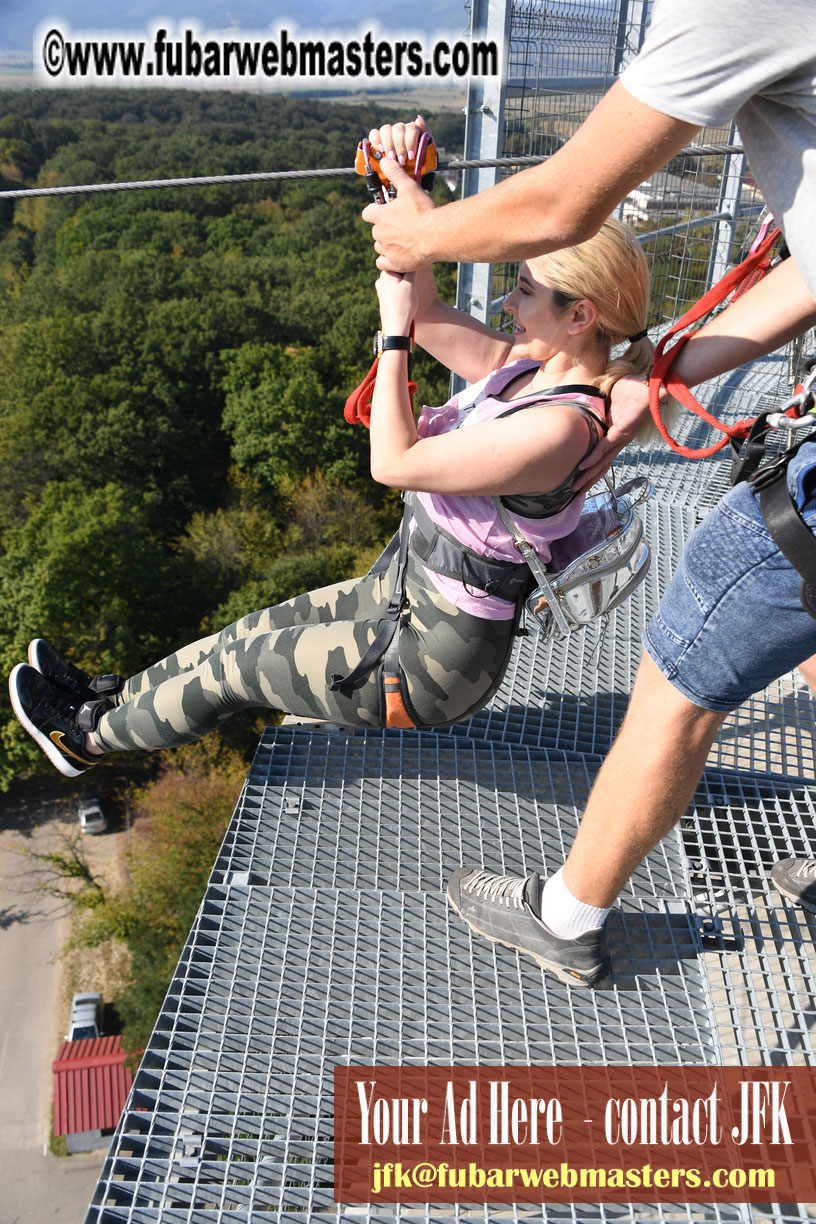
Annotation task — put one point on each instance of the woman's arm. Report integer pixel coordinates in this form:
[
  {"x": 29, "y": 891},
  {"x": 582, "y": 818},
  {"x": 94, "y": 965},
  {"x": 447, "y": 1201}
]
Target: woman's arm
[
  {"x": 770, "y": 314},
  {"x": 466, "y": 346},
  {"x": 530, "y": 452},
  {"x": 463, "y": 344}
]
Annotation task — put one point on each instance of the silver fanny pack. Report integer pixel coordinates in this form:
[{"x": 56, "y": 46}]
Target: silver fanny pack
[{"x": 594, "y": 568}]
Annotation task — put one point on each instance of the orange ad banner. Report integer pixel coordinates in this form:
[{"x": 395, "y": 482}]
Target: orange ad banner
[{"x": 592, "y": 1134}]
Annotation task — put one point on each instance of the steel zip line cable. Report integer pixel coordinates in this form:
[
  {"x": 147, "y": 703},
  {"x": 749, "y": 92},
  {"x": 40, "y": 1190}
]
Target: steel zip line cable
[{"x": 338, "y": 172}]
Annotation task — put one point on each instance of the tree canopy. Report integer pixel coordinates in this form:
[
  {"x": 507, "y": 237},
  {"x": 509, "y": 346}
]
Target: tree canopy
[{"x": 175, "y": 365}]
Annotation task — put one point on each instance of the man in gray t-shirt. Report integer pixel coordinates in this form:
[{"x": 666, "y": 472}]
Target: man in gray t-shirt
[
  {"x": 715, "y": 638},
  {"x": 757, "y": 64}
]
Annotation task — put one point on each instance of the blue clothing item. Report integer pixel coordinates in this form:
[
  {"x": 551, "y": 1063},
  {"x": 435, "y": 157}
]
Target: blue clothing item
[{"x": 731, "y": 620}]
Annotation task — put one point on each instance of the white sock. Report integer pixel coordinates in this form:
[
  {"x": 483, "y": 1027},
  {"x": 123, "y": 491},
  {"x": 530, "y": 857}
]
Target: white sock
[{"x": 564, "y": 914}]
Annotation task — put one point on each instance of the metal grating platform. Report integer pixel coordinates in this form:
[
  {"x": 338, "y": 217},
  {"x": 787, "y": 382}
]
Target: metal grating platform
[
  {"x": 232, "y": 1107},
  {"x": 402, "y": 810},
  {"x": 324, "y": 939}
]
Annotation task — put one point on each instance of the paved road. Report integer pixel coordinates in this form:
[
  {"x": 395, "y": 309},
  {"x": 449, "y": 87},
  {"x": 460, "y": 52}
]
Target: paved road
[{"x": 35, "y": 1187}]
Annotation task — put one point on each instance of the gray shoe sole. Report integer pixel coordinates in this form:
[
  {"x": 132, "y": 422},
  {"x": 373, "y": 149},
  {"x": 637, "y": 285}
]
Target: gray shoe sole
[{"x": 598, "y": 979}]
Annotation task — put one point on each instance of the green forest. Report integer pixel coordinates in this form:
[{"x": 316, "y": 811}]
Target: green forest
[{"x": 172, "y": 451}]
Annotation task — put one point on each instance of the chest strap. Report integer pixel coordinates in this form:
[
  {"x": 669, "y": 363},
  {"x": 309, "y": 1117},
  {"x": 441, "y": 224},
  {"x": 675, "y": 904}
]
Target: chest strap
[
  {"x": 546, "y": 505},
  {"x": 444, "y": 554}
]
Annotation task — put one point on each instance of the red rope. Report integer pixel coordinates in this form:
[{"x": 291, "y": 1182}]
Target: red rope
[
  {"x": 357, "y": 410},
  {"x": 740, "y": 278}
]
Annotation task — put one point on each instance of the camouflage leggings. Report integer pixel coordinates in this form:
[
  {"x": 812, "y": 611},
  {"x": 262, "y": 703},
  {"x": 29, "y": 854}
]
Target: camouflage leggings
[{"x": 284, "y": 658}]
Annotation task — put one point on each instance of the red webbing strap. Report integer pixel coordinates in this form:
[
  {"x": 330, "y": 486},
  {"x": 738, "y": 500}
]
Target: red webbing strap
[
  {"x": 750, "y": 270},
  {"x": 357, "y": 409}
]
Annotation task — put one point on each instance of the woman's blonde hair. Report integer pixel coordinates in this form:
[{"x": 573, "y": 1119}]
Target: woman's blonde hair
[{"x": 611, "y": 271}]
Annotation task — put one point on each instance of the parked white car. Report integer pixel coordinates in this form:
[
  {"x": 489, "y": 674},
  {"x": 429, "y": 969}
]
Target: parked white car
[
  {"x": 86, "y": 1017},
  {"x": 90, "y": 814}
]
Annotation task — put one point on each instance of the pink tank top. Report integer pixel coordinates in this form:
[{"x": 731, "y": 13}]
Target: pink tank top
[{"x": 474, "y": 521}]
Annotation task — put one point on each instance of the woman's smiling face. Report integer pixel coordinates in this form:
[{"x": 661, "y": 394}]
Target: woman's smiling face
[
  {"x": 540, "y": 326},
  {"x": 544, "y": 326}
]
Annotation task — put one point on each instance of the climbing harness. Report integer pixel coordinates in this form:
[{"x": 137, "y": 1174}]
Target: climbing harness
[
  {"x": 787, "y": 528},
  {"x": 590, "y": 572},
  {"x": 594, "y": 568}
]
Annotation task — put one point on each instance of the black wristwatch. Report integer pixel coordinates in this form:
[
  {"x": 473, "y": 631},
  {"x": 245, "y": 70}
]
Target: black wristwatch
[{"x": 382, "y": 344}]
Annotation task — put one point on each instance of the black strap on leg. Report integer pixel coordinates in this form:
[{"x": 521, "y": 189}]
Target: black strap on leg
[
  {"x": 390, "y": 624},
  {"x": 791, "y": 534},
  {"x": 786, "y": 527},
  {"x": 89, "y": 713},
  {"x": 748, "y": 456},
  {"x": 108, "y": 685},
  {"x": 395, "y": 707}
]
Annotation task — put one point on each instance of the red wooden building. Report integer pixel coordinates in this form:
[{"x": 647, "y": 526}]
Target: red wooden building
[{"x": 91, "y": 1084}]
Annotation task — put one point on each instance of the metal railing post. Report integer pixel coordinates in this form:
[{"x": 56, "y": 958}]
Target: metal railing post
[{"x": 484, "y": 118}]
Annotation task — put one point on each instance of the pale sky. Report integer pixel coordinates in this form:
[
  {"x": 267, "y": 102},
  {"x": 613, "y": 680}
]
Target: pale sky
[{"x": 20, "y": 18}]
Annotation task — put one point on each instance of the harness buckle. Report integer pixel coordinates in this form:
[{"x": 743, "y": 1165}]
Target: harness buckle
[{"x": 771, "y": 472}]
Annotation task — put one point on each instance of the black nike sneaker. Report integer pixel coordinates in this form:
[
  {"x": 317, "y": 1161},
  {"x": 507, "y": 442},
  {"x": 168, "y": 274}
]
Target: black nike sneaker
[
  {"x": 78, "y": 684},
  {"x": 48, "y": 716}
]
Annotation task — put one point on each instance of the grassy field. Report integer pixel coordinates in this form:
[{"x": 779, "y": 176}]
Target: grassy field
[
  {"x": 440, "y": 97},
  {"x": 16, "y": 78}
]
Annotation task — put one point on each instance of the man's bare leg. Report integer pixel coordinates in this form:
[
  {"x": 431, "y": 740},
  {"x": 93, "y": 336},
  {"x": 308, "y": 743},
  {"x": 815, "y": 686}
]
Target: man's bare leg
[
  {"x": 644, "y": 786},
  {"x": 642, "y": 790},
  {"x": 795, "y": 877},
  {"x": 808, "y": 670}
]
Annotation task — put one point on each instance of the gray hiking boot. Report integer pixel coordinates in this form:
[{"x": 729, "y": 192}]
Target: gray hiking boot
[
  {"x": 796, "y": 878},
  {"x": 505, "y": 910}
]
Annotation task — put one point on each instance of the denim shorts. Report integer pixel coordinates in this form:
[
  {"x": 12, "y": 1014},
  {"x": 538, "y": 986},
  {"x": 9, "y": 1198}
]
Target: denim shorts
[{"x": 731, "y": 620}]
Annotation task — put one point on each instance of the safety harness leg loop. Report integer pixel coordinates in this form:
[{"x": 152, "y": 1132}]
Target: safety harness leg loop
[{"x": 383, "y": 653}]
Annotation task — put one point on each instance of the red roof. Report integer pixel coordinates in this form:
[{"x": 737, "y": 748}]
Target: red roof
[{"x": 91, "y": 1083}]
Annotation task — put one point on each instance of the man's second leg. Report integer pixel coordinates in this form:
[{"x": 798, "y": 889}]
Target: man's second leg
[
  {"x": 642, "y": 790},
  {"x": 714, "y": 640},
  {"x": 795, "y": 877}
]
